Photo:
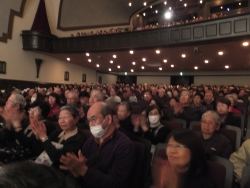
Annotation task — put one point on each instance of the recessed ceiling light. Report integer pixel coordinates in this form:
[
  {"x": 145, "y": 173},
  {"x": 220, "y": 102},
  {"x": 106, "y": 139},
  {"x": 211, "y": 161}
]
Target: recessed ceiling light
[
  {"x": 114, "y": 56},
  {"x": 196, "y": 67},
  {"x": 160, "y": 68},
  {"x": 87, "y": 54},
  {"x": 137, "y": 15},
  {"x": 145, "y": 3},
  {"x": 158, "y": 51},
  {"x": 170, "y": 8},
  {"x": 68, "y": 59},
  {"x": 220, "y": 53},
  {"x": 143, "y": 59},
  {"x": 89, "y": 60},
  {"x": 172, "y": 66},
  {"x": 245, "y": 43},
  {"x": 144, "y": 14},
  {"x": 221, "y": 7},
  {"x": 130, "y": 4},
  {"x": 142, "y": 67},
  {"x": 183, "y": 55},
  {"x": 168, "y": 15},
  {"x": 151, "y": 6},
  {"x": 165, "y": 3},
  {"x": 132, "y": 70},
  {"x": 239, "y": 3},
  {"x": 109, "y": 69},
  {"x": 206, "y": 61},
  {"x": 156, "y": 11},
  {"x": 185, "y": 5},
  {"x": 200, "y": 1},
  {"x": 133, "y": 63},
  {"x": 226, "y": 66},
  {"x": 131, "y": 51},
  {"x": 118, "y": 66},
  {"x": 97, "y": 65},
  {"x": 165, "y": 61},
  {"x": 111, "y": 61}
]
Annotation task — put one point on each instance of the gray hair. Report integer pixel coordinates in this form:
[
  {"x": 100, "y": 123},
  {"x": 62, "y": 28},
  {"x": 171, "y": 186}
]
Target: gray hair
[
  {"x": 105, "y": 109},
  {"x": 72, "y": 109},
  {"x": 232, "y": 96},
  {"x": 100, "y": 96},
  {"x": 161, "y": 89},
  {"x": 73, "y": 92},
  {"x": 127, "y": 105},
  {"x": 190, "y": 93},
  {"x": 20, "y": 100},
  {"x": 214, "y": 114}
]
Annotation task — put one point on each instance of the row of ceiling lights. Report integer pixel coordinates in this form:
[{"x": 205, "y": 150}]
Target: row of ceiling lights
[{"x": 157, "y": 52}]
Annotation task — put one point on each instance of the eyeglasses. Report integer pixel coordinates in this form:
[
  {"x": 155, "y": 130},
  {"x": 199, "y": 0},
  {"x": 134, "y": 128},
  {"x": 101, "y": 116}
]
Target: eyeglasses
[
  {"x": 207, "y": 122},
  {"x": 93, "y": 120},
  {"x": 34, "y": 110},
  {"x": 178, "y": 146}
]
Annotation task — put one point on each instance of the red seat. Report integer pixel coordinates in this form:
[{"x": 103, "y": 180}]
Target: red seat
[{"x": 172, "y": 125}]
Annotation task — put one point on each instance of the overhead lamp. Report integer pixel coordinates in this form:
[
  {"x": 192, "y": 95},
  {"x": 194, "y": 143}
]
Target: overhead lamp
[
  {"x": 131, "y": 51},
  {"x": 226, "y": 66},
  {"x": 200, "y": 1},
  {"x": 130, "y": 4},
  {"x": 89, "y": 60},
  {"x": 160, "y": 68},
  {"x": 183, "y": 55},
  {"x": 142, "y": 67},
  {"x": 181, "y": 73},
  {"x": 221, "y": 7},
  {"x": 151, "y": 6},
  {"x": 111, "y": 62},
  {"x": 125, "y": 73},
  {"x": 195, "y": 67},
  {"x": 68, "y": 59},
  {"x": 118, "y": 66},
  {"x": 114, "y": 56},
  {"x": 133, "y": 63},
  {"x": 172, "y": 66},
  {"x": 137, "y": 15},
  {"x": 206, "y": 61},
  {"x": 185, "y": 4},
  {"x": 158, "y": 51},
  {"x": 165, "y": 3},
  {"x": 168, "y": 15},
  {"x": 220, "y": 53},
  {"x": 165, "y": 61},
  {"x": 145, "y": 3},
  {"x": 240, "y": 4},
  {"x": 87, "y": 54},
  {"x": 245, "y": 43},
  {"x": 97, "y": 65},
  {"x": 132, "y": 70},
  {"x": 170, "y": 8},
  {"x": 144, "y": 14},
  {"x": 109, "y": 69},
  {"x": 143, "y": 59}
]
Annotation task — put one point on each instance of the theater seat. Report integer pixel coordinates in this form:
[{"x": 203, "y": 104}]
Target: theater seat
[
  {"x": 172, "y": 125},
  {"x": 245, "y": 179},
  {"x": 85, "y": 133}
]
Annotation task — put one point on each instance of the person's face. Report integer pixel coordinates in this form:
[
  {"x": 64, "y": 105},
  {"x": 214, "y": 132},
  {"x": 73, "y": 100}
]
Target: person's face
[
  {"x": 112, "y": 92},
  {"x": 154, "y": 112},
  {"x": 84, "y": 100},
  {"x": 35, "y": 113},
  {"x": 222, "y": 108},
  {"x": 94, "y": 97},
  {"x": 88, "y": 90},
  {"x": 197, "y": 100},
  {"x": 10, "y": 103},
  {"x": 208, "y": 124},
  {"x": 152, "y": 102},
  {"x": 172, "y": 102},
  {"x": 175, "y": 93},
  {"x": 71, "y": 99},
  {"x": 52, "y": 100},
  {"x": 209, "y": 97},
  {"x": 66, "y": 121},
  {"x": 178, "y": 155},
  {"x": 185, "y": 98},
  {"x": 147, "y": 96},
  {"x": 122, "y": 112},
  {"x": 241, "y": 93},
  {"x": 161, "y": 94}
]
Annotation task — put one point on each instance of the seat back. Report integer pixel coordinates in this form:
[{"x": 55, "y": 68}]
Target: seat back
[
  {"x": 184, "y": 122},
  {"x": 216, "y": 173},
  {"x": 245, "y": 178},
  {"x": 136, "y": 174},
  {"x": 233, "y": 133},
  {"x": 86, "y": 133},
  {"x": 195, "y": 126},
  {"x": 172, "y": 125},
  {"x": 248, "y": 134},
  {"x": 242, "y": 124},
  {"x": 228, "y": 183}
]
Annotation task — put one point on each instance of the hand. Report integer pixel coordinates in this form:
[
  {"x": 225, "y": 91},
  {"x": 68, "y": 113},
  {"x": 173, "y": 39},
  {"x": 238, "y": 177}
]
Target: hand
[
  {"x": 76, "y": 165},
  {"x": 144, "y": 122},
  {"x": 38, "y": 129}
]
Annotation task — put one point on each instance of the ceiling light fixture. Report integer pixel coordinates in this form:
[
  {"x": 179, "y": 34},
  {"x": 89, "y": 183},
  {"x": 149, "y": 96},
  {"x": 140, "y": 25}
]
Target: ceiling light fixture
[
  {"x": 165, "y": 3},
  {"x": 132, "y": 70},
  {"x": 118, "y": 66},
  {"x": 206, "y": 61},
  {"x": 158, "y": 51},
  {"x": 142, "y": 67},
  {"x": 200, "y": 1},
  {"x": 133, "y": 63},
  {"x": 220, "y": 53},
  {"x": 156, "y": 11},
  {"x": 172, "y": 66},
  {"x": 144, "y": 14},
  {"x": 89, "y": 60},
  {"x": 195, "y": 67},
  {"x": 168, "y": 15},
  {"x": 111, "y": 61},
  {"x": 226, "y": 66},
  {"x": 87, "y": 54},
  {"x": 160, "y": 68},
  {"x": 170, "y": 8},
  {"x": 109, "y": 69},
  {"x": 143, "y": 59},
  {"x": 151, "y": 6},
  {"x": 185, "y": 5},
  {"x": 145, "y": 3},
  {"x": 183, "y": 55},
  {"x": 130, "y": 4},
  {"x": 245, "y": 43},
  {"x": 221, "y": 7},
  {"x": 240, "y": 4},
  {"x": 114, "y": 56},
  {"x": 131, "y": 51},
  {"x": 68, "y": 59},
  {"x": 97, "y": 65},
  {"x": 165, "y": 61}
]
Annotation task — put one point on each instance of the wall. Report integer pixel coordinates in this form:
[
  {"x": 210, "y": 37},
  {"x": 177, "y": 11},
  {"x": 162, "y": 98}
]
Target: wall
[
  {"x": 21, "y": 64},
  {"x": 107, "y": 78},
  {"x": 153, "y": 79},
  {"x": 222, "y": 80}
]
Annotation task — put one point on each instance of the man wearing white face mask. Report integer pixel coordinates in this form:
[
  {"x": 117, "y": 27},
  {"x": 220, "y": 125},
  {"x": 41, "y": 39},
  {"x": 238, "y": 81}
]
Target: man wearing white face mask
[
  {"x": 153, "y": 129},
  {"x": 107, "y": 159}
]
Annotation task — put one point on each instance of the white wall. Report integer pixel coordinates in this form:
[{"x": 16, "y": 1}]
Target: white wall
[
  {"x": 222, "y": 80},
  {"x": 21, "y": 64},
  {"x": 107, "y": 78},
  {"x": 153, "y": 79}
]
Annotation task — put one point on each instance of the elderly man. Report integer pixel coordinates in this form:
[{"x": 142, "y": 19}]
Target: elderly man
[
  {"x": 184, "y": 110},
  {"x": 209, "y": 101},
  {"x": 95, "y": 96},
  {"x": 213, "y": 142},
  {"x": 107, "y": 158},
  {"x": 72, "y": 98}
]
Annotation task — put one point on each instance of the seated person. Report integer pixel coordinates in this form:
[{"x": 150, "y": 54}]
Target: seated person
[
  {"x": 162, "y": 100},
  {"x": 240, "y": 159},
  {"x": 107, "y": 159},
  {"x": 113, "y": 97},
  {"x": 209, "y": 100},
  {"x": 227, "y": 118},
  {"x": 213, "y": 142},
  {"x": 184, "y": 110},
  {"x": 68, "y": 136},
  {"x": 54, "y": 102},
  {"x": 32, "y": 175},
  {"x": 232, "y": 109},
  {"x": 197, "y": 103},
  {"x": 183, "y": 163}
]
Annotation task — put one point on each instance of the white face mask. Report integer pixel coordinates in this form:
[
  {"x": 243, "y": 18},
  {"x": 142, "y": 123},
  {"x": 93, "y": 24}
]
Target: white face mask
[
  {"x": 154, "y": 121},
  {"x": 33, "y": 99},
  {"x": 97, "y": 131}
]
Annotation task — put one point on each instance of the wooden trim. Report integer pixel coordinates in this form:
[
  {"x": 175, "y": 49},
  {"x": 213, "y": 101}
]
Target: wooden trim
[{"x": 13, "y": 13}]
